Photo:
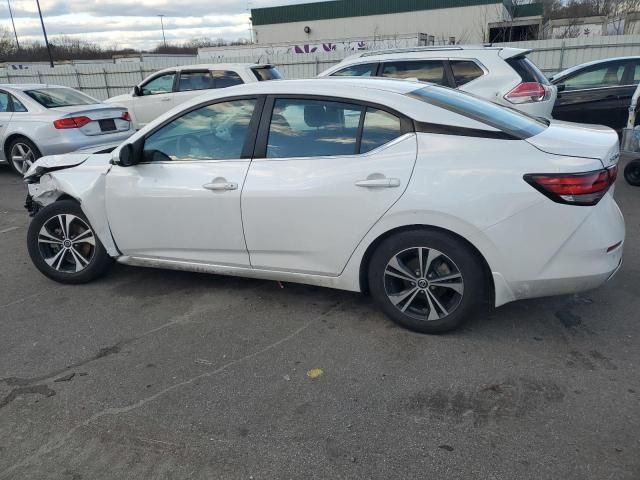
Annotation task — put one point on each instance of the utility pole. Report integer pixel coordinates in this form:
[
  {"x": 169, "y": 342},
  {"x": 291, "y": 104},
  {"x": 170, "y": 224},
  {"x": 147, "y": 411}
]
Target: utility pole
[
  {"x": 44, "y": 31},
  {"x": 164, "y": 40},
  {"x": 13, "y": 23}
]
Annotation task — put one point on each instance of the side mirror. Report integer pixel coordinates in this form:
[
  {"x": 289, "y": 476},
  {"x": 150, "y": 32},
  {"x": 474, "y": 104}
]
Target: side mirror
[
  {"x": 561, "y": 87},
  {"x": 131, "y": 153},
  {"x": 137, "y": 91}
]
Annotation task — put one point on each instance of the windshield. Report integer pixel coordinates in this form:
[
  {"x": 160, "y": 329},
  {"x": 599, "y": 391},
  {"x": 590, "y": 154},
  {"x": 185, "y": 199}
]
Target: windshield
[
  {"x": 508, "y": 120},
  {"x": 60, "y": 97},
  {"x": 267, "y": 73}
]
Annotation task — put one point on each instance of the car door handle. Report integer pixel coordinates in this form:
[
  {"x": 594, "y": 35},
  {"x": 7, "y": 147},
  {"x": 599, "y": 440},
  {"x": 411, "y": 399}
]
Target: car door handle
[
  {"x": 218, "y": 186},
  {"x": 165, "y": 99},
  {"x": 379, "y": 183}
]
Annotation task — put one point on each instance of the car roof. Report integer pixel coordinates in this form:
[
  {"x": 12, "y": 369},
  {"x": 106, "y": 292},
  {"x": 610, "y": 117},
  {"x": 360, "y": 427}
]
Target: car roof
[
  {"x": 339, "y": 86},
  {"x": 590, "y": 64},
  {"x": 214, "y": 66},
  {"x": 442, "y": 51},
  {"x": 29, "y": 86}
]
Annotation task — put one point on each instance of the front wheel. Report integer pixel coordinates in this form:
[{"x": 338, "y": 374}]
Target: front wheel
[
  {"x": 63, "y": 245},
  {"x": 426, "y": 280},
  {"x": 632, "y": 173}
]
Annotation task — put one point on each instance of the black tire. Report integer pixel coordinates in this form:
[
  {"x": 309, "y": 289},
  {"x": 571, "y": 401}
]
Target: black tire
[
  {"x": 459, "y": 299},
  {"x": 632, "y": 173},
  {"x": 57, "y": 248},
  {"x": 30, "y": 145}
]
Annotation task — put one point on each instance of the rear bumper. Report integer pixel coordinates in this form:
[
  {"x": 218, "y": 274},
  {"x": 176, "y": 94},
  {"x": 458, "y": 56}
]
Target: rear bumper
[
  {"x": 582, "y": 261},
  {"x": 72, "y": 140}
]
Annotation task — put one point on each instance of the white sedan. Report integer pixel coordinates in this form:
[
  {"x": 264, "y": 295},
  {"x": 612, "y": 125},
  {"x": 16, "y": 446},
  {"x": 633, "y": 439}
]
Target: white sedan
[
  {"x": 37, "y": 120},
  {"x": 431, "y": 199}
]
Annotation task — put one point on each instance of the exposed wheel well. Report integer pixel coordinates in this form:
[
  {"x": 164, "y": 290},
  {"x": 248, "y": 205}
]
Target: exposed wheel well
[{"x": 364, "y": 265}]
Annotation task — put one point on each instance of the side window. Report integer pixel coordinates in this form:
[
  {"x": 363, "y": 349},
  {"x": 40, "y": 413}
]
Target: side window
[
  {"x": 379, "y": 128},
  {"x": 313, "y": 128},
  {"x": 363, "y": 70},
  {"x": 194, "y": 81},
  {"x": 225, "y": 78},
  {"x": 464, "y": 71},
  {"x": 596, "y": 77},
  {"x": 17, "y": 105},
  {"x": 425, "y": 71},
  {"x": 214, "y": 132},
  {"x": 158, "y": 85},
  {"x": 4, "y": 102},
  {"x": 636, "y": 73}
]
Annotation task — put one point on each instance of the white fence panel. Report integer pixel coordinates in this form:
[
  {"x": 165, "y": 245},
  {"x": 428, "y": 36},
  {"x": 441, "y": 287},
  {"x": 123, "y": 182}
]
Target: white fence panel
[{"x": 107, "y": 80}]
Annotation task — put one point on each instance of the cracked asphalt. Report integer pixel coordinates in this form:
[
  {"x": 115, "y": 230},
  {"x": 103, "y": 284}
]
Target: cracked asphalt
[{"x": 152, "y": 374}]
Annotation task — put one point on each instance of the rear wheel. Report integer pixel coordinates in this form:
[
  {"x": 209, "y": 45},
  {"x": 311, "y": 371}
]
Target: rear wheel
[
  {"x": 22, "y": 154},
  {"x": 632, "y": 173},
  {"x": 64, "y": 247},
  {"x": 426, "y": 280}
]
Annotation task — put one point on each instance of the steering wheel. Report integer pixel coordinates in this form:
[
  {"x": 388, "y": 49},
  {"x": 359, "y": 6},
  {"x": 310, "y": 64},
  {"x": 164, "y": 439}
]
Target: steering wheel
[{"x": 186, "y": 144}]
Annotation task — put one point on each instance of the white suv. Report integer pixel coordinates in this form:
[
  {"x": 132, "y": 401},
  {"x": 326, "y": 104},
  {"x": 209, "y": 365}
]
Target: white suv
[
  {"x": 502, "y": 75},
  {"x": 163, "y": 90}
]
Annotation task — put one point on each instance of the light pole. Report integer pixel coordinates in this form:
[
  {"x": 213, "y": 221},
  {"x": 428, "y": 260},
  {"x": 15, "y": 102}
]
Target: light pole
[
  {"x": 164, "y": 40},
  {"x": 44, "y": 31},
  {"x": 13, "y": 23}
]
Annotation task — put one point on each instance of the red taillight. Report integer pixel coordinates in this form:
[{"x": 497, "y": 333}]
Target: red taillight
[
  {"x": 574, "y": 188},
  {"x": 125, "y": 116},
  {"x": 528, "y": 92},
  {"x": 71, "y": 122}
]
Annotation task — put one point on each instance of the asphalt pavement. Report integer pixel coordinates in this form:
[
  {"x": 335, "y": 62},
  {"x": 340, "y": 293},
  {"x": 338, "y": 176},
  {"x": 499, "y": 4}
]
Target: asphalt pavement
[{"x": 151, "y": 374}]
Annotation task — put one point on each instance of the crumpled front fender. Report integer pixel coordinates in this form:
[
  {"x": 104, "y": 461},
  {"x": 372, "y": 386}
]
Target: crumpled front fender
[{"x": 86, "y": 184}]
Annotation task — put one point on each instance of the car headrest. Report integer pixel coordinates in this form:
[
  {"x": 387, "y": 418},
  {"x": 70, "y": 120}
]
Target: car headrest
[{"x": 321, "y": 115}]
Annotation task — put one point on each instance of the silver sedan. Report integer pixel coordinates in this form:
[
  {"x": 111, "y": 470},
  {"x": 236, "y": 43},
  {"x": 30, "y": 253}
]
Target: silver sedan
[{"x": 38, "y": 120}]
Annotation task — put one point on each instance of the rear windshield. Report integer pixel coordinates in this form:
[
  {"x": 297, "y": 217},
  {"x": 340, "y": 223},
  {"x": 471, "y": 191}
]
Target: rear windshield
[
  {"x": 507, "y": 120},
  {"x": 267, "y": 73},
  {"x": 60, "y": 97},
  {"x": 527, "y": 70}
]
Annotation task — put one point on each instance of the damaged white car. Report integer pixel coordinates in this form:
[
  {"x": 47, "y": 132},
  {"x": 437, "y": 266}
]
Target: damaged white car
[{"x": 431, "y": 199}]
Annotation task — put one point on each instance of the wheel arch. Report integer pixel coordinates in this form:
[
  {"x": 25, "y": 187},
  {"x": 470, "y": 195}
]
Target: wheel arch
[
  {"x": 13, "y": 136},
  {"x": 366, "y": 258}
]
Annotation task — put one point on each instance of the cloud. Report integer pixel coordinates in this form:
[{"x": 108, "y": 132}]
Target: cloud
[{"x": 134, "y": 23}]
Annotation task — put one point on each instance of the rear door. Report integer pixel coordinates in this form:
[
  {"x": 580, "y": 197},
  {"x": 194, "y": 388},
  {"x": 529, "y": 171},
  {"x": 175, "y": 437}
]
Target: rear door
[
  {"x": 5, "y": 117},
  {"x": 156, "y": 98},
  {"x": 325, "y": 170},
  {"x": 594, "y": 95}
]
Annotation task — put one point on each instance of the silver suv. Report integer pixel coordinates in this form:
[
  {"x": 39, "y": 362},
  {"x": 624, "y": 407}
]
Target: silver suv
[{"x": 500, "y": 74}]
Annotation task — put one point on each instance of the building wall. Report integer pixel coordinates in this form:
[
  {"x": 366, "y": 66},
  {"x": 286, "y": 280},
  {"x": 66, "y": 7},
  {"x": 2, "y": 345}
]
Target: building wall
[{"x": 466, "y": 24}]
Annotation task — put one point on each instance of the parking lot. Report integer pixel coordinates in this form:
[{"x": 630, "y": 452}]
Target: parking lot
[{"x": 171, "y": 375}]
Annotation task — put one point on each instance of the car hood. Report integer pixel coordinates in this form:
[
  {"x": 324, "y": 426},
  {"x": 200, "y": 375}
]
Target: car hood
[
  {"x": 53, "y": 163},
  {"x": 118, "y": 98},
  {"x": 579, "y": 140}
]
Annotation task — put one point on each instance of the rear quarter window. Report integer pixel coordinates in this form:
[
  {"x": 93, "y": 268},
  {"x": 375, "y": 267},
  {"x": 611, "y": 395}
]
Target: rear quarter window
[
  {"x": 361, "y": 70},
  {"x": 512, "y": 122},
  {"x": 464, "y": 71},
  {"x": 266, "y": 73},
  {"x": 527, "y": 70}
]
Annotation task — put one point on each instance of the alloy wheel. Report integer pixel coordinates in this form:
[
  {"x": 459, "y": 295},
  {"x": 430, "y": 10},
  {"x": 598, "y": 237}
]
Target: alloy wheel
[
  {"x": 66, "y": 243},
  {"x": 22, "y": 157},
  {"x": 423, "y": 283}
]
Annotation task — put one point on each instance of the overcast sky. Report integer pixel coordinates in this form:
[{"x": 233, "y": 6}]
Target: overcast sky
[{"x": 134, "y": 23}]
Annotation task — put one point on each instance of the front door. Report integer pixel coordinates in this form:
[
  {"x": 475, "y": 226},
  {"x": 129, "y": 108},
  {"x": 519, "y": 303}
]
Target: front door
[
  {"x": 182, "y": 202},
  {"x": 320, "y": 184},
  {"x": 156, "y": 98}
]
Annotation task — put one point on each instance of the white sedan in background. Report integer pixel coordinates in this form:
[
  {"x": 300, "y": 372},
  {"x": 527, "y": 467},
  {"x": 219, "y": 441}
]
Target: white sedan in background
[
  {"x": 165, "y": 89},
  {"x": 37, "y": 120},
  {"x": 431, "y": 199}
]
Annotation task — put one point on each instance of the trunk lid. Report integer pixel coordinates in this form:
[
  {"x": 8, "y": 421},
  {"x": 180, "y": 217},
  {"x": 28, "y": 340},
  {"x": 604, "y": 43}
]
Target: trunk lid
[
  {"x": 579, "y": 140},
  {"x": 105, "y": 119}
]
